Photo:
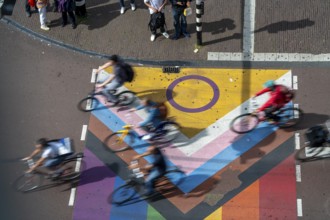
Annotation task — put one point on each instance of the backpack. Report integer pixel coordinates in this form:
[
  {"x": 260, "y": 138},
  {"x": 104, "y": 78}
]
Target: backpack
[
  {"x": 157, "y": 20},
  {"x": 128, "y": 71},
  {"x": 317, "y": 135},
  {"x": 162, "y": 110}
]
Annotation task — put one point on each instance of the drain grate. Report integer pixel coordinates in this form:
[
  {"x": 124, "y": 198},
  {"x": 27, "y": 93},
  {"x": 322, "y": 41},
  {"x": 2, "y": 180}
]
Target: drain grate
[{"x": 171, "y": 69}]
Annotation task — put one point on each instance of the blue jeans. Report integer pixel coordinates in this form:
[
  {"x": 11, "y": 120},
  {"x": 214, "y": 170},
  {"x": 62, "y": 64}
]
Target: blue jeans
[
  {"x": 121, "y": 2},
  {"x": 111, "y": 86},
  {"x": 152, "y": 177},
  {"x": 180, "y": 21}
]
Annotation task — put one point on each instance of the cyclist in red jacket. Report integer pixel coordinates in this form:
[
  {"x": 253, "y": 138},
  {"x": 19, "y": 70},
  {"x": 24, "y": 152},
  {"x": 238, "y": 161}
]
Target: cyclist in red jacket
[{"x": 280, "y": 95}]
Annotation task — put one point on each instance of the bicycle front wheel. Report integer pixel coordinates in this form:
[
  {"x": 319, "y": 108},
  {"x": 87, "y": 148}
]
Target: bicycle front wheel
[
  {"x": 244, "y": 123},
  {"x": 126, "y": 98},
  {"x": 289, "y": 117},
  {"x": 28, "y": 182},
  {"x": 123, "y": 194},
  {"x": 88, "y": 104},
  {"x": 115, "y": 143}
]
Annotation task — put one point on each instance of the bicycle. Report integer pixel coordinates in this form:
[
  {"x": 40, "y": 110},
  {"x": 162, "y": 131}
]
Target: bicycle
[
  {"x": 135, "y": 183},
  {"x": 32, "y": 181},
  {"x": 284, "y": 118},
  {"x": 121, "y": 140},
  {"x": 91, "y": 103},
  {"x": 318, "y": 144}
]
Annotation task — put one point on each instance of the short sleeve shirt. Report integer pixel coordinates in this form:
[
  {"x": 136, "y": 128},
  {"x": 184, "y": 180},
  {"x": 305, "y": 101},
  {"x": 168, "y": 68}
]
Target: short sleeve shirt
[{"x": 155, "y": 4}]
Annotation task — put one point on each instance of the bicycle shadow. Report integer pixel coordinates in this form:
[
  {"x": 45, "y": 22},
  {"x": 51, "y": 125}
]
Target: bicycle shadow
[
  {"x": 309, "y": 120},
  {"x": 168, "y": 190}
]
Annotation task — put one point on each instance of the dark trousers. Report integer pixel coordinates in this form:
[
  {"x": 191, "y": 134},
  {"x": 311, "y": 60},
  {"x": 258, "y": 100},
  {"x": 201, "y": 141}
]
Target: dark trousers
[
  {"x": 162, "y": 28},
  {"x": 180, "y": 21},
  {"x": 65, "y": 17}
]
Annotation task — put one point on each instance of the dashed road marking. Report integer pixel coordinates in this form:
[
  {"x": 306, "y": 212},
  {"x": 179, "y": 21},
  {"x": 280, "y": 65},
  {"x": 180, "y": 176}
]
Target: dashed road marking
[
  {"x": 295, "y": 82},
  {"x": 83, "y": 133},
  {"x": 72, "y": 196},
  {"x": 299, "y": 208},
  {"x": 297, "y": 140},
  {"x": 298, "y": 173}
]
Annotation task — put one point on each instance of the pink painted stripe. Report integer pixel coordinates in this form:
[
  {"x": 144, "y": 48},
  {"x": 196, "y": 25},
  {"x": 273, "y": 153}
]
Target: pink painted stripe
[
  {"x": 277, "y": 191},
  {"x": 96, "y": 184}
]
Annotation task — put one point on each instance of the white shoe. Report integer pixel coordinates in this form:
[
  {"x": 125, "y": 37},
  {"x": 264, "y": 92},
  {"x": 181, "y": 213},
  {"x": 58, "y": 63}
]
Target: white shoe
[
  {"x": 44, "y": 27},
  {"x": 133, "y": 7},
  {"x": 153, "y": 37},
  {"x": 165, "y": 34},
  {"x": 122, "y": 10}
]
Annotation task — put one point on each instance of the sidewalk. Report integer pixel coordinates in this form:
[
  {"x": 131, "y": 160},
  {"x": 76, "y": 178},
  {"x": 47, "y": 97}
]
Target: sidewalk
[{"x": 106, "y": 32}]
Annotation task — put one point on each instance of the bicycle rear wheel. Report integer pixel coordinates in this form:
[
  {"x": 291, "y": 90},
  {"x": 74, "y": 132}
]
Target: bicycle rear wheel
[
  {"x": 70, "y": 170},
  {"x": 28, "y": 182},
  {"x": 126, "y": 98},
  {"x": 115, "y": 144},
  {"x": 88, "y": 104},
  {"x": 308, "y": 154},
  {"x": 123, "y": 194},
  {"x": 289, "y": 117},
  {"x": 166, "y": 132},
  {"x": 244, "y": 123}
]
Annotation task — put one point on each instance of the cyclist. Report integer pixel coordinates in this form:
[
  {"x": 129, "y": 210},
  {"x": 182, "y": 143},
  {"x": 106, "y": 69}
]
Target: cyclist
[
  {"x": 52, "y": 154},
  {"x": 280, "y": 95},
  {"x": 157, "y": 168},
  {"x": 116, "y": 80},
  {"x": 157, "y": 112}
]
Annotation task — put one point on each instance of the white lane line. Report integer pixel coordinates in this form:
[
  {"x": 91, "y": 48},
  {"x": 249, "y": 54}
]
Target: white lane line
[
  {"x": 72, "y": 196},
  {"x": 93, "y": 79},
  {"x": 298, "y": 173},
  {"x": 83, "y": 133},
  {"x": 78, "y": 164},
  {"x": 296, "y": 105},
  {"x": 248, "y": 28},
  {"x": 299, "y": 208},
  {"x": 295, "y": 82},
  {"x": 273, "y": 57},
  {"x": 297, "y": 140}
]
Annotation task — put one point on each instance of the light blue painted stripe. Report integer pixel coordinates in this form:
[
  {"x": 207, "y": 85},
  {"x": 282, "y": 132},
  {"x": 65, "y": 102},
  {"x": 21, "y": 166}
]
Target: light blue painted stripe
[
  {"x": 226, "y": 156},
  {"x": 138, "y": 210}
]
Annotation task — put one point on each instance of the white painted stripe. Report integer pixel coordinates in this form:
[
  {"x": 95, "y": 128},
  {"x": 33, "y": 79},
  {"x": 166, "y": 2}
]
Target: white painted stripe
[
  {"x": 299, "y": 208},
  {"x": 297, "y": 140},
  {"x": 248, "y": 28},
  {"x": 199, "y": 20},
  {"x": 83, "y": 133},
  {"x": 198, "y": 11},
  {"x": 296, "y": 105},
  {"x": 298, "y": 173},
  {"x": 78, "y": 164},
  {"x": 93, "y": 79},
  {"x": 272, "y": 57},
  {"x": 198, "y": 28},
  {"x": 295, "y": 82},
  {"x": 72, "y": 197}
]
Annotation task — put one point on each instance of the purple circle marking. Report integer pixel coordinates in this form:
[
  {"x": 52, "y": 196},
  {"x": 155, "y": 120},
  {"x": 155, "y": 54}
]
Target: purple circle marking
[{"x": 169, "y": 94}]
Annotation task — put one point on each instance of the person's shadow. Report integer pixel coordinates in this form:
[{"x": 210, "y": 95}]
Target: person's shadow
[{"x": 286, "y": 25}]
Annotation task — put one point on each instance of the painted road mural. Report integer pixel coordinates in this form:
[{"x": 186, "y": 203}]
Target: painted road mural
[{"x": 227, "y": 175}]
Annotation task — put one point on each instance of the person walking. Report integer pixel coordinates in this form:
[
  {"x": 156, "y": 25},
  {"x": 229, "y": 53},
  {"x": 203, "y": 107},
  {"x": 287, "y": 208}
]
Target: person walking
[
  {"x": 67, "y": 7},
  {"x": 122, "y": 6},
  {"x": 157, "y": 17},
  {"x": 180, "y": 21},
  {"x": 42, "y": 8}
]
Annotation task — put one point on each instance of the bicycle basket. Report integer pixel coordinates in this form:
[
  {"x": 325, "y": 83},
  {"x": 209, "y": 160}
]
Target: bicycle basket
[{"x": 317, "y": 135}]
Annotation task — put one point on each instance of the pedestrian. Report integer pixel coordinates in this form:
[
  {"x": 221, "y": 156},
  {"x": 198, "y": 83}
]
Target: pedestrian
[
  {"x": 157, "y": 17},
  {"x": 67, "y": 7},
  {"x": 28, "y": 5},
  {"x": 81, "y": 9},
  {"x": 42, "y": 8},
  {"x": 180, "y": 21},
  {"x": 122, "y": 6}
]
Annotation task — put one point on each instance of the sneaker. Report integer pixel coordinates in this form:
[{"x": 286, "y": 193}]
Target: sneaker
[
  {"x": 186, "y": 35},
  {"x": 165, "y": 34},
  {"x": 133, "y": 7},
  {"x": 44, "y": 27},
  {"x": 174, "y": 37},
  {"x": 153, "y": 37},
  {"x": 122, "y": 10}
]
